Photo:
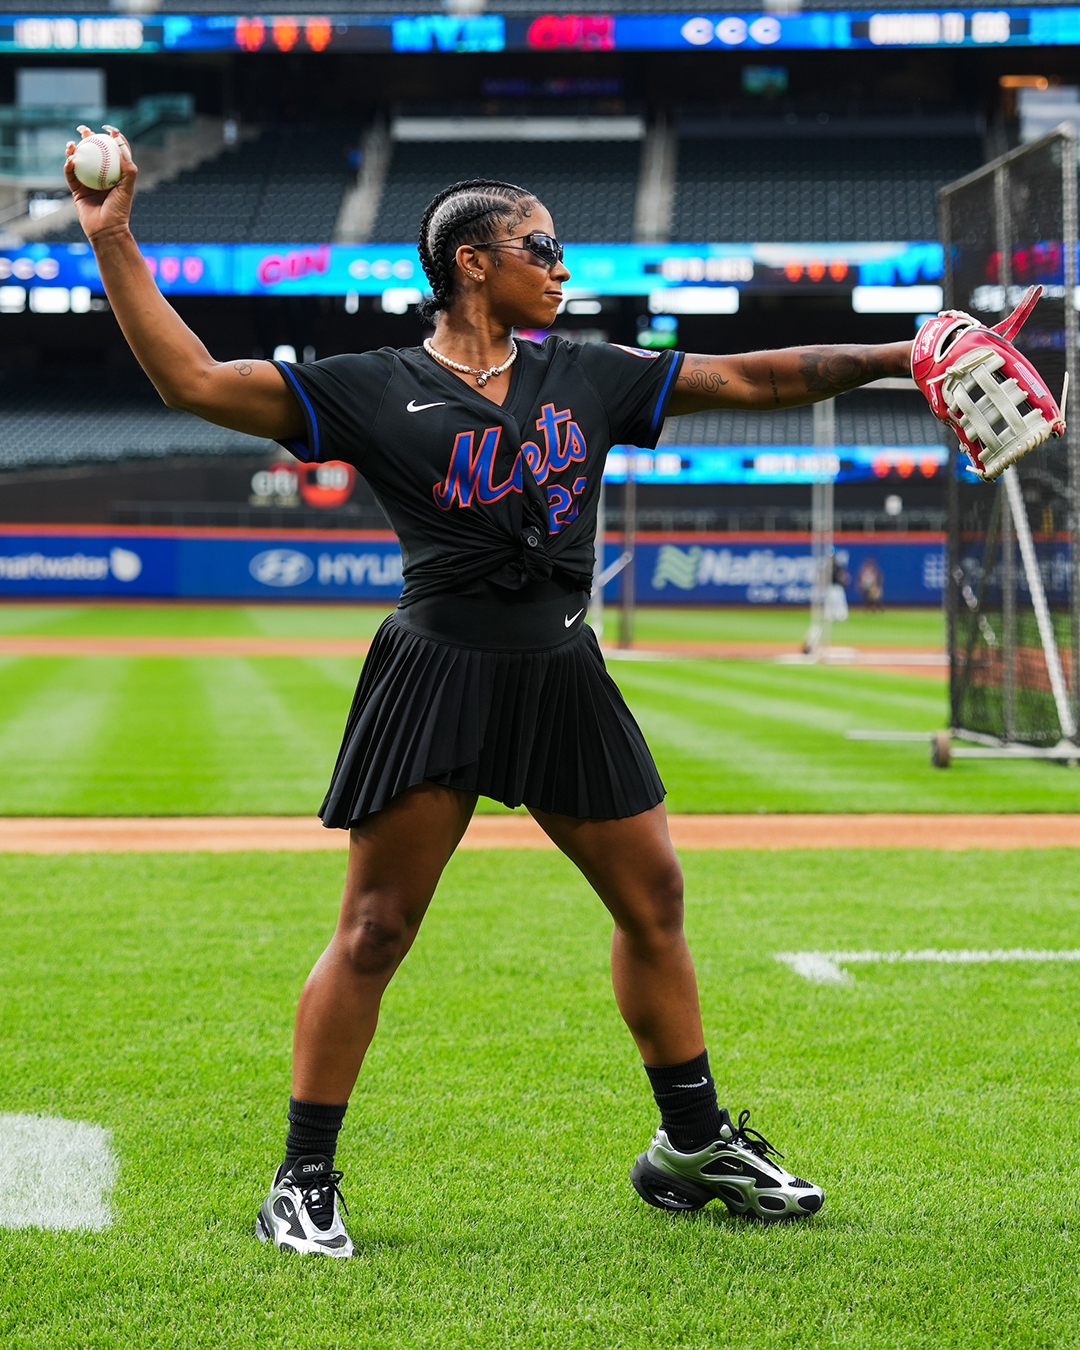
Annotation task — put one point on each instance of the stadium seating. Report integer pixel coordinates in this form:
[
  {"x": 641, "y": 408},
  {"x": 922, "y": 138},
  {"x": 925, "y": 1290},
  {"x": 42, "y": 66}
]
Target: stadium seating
[
  {"x": 589, "y": 186},
  {"x": 285, "y": 186},
  {"x": 774, "y": 190},
  {"x": 124, "y": 419},
  {"x": 873, "y": 417},
  {"x": 105, "y": 421}
]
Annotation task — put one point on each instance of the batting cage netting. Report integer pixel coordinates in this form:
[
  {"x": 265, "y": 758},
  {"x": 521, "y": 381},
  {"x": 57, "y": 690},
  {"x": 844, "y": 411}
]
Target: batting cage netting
[{"x": 1012, "y": 592}]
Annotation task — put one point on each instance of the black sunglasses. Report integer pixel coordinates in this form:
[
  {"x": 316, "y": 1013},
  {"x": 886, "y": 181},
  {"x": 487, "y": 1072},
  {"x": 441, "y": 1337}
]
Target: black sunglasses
[{"x": 544, "y": 246}]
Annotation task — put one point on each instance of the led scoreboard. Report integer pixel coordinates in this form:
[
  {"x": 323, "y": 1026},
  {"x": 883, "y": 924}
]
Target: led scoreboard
[{"x": 1042, "y": 26}]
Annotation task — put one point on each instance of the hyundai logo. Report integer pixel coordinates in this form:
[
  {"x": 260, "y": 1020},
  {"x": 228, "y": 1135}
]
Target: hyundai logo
[{"x": 281, "y": 567}]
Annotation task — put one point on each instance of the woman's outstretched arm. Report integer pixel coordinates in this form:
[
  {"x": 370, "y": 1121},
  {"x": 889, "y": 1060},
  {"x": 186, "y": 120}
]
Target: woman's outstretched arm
[
  {"x": 245, "y": 395},
  {"x": 784, "y": 378}
]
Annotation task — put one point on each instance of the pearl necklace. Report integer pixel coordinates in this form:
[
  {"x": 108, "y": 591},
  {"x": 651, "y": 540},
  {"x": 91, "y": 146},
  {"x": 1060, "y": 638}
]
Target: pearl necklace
[{"x": 482, "y": 376}]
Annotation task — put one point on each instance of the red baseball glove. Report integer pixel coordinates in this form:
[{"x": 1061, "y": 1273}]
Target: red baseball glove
[{"x": 978, "y": 383}]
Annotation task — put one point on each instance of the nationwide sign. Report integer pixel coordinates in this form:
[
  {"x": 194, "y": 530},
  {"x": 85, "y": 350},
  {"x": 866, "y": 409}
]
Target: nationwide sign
[{"x": 1043, "y": 26}]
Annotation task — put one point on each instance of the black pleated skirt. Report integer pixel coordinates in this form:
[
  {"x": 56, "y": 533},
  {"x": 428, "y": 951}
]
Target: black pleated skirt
[{"x": 547, "y": 728}]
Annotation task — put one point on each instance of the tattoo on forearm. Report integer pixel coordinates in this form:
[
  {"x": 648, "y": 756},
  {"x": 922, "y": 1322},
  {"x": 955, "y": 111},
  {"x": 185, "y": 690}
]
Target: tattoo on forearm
[
  {"x": 834, "y": 369},
  {"x": 775, "y": 391},
  {"x": 242, "y": 367}
]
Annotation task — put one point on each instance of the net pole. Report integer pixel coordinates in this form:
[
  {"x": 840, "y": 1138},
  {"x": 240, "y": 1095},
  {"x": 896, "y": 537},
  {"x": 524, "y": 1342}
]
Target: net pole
[
  {"x": 822, "y": 497},
  {"x": 828, "y": 498},
  {"x": 813, "y": 636},
  {"x": 953, "y": 577},
  {"x": 1008, "y": 617},
  {"x": 1008, "y": 556},
  {"x": 1038, "y": 602},
  {"x": 626, "y": 614},
  {"x": 596, "y": 600},
  {"x": 1072, "y": 366},
  {"x": 953, "y": 571}
]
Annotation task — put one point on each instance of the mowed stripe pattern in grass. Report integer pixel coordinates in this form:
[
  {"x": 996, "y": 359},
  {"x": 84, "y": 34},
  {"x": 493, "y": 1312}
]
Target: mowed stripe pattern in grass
[
  {"x": 893, "y": 627},
  {"x": 488, "y": 1146},
  {"x": 748, "y": 736},
  {"x": 167, "y": 737},
  {"x": 258, "y": 736}
]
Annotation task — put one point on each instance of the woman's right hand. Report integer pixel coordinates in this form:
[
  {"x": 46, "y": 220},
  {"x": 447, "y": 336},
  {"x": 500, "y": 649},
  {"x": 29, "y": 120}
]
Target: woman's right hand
[
  {"x": 109, "y": 210},
  {"x": 247, "y": 395}
]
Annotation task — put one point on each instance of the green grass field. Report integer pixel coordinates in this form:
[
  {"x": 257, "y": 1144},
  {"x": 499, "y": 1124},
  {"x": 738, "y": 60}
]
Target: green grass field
[
  {"x": 232, "y": 735},
  {"x": 894, "y": 627},
  {"x": 488, "y": 1148}
]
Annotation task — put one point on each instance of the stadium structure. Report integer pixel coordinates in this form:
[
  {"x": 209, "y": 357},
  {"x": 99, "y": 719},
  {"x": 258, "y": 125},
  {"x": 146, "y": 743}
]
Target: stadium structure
[{"x": 724, "y": 181}]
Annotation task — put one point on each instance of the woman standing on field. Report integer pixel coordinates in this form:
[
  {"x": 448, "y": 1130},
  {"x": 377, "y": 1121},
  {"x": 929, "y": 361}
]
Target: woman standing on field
[{"x": 486, "y": 453}]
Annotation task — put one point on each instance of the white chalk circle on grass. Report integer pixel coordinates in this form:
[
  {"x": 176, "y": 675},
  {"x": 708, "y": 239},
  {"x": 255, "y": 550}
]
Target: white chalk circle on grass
[{"x": 55, "y": 1173}]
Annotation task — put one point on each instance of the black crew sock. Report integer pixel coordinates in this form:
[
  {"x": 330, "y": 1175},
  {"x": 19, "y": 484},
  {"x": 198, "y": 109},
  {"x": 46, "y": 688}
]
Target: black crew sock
[
  {"x": 686, "y": 1096},
  {"x": 313, "y": 1128}
]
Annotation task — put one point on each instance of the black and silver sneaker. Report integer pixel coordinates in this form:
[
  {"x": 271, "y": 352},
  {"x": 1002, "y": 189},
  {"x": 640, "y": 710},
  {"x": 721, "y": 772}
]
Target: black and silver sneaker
[
  {"x": 737, "y": 1168},
  {"x": 300, "y": 1213}
]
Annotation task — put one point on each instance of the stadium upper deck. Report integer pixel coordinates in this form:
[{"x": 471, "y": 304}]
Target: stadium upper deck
[
  {"x": 286, "y": 184},
  {"x": 793, "y": 172},
  {"x": 678, "y": 150}
]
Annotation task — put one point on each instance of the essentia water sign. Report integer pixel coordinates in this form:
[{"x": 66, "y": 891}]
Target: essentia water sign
[
  {"x": 222, "y": 564},
  {"x": 75, "y": 564}
]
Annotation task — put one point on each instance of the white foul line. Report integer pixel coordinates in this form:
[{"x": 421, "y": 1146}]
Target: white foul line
[
  {"x": 828, "y": 967},
  {"x": 54, "y": 1173}
]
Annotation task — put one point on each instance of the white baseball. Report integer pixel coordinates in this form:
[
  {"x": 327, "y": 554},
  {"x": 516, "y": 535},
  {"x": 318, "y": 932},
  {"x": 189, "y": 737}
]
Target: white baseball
[{"x": 97, "y": 162}]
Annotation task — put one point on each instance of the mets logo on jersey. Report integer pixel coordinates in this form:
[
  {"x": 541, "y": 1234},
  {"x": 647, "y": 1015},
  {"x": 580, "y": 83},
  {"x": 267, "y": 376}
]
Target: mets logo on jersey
[{"x": 470, "y": 476}]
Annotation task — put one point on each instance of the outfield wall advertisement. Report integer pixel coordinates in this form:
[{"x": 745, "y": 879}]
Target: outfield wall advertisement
[{"x": 694, "y": 569}]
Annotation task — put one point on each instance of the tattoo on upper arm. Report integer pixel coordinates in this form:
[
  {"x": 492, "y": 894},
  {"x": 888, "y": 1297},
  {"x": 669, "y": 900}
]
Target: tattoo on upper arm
[
  {"x": 834, "y": 369},
  {"x": 242, "y": 367},
  {"x": 775, "y": 391},
  {"x": 704, "y": 382},
  {"x": 700, "y": 380}
]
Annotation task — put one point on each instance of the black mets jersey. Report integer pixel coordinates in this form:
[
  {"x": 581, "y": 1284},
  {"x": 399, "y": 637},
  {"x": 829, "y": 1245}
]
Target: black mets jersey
[{"x": 476, "y": 491}]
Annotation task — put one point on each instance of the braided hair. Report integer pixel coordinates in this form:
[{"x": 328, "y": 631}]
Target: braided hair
[{"x": 465, "y": 212}]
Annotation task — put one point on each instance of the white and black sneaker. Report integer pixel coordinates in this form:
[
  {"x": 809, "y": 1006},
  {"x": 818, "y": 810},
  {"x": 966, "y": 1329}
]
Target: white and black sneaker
[
  {"x": 300, "y": 1213},
  {"x": 737, "y": 1168}
]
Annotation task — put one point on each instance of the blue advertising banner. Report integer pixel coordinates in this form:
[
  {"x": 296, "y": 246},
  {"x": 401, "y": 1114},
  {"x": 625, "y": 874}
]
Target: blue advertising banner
[
  {"x": 779, "y": 569},
  {"x": 712, "y": 569},
  {"x": 330, "y": 568},
  {"x": 375, "y": 269},
  {"x": 225, "y": 564},
  {"x": 1053, "y": 558}
]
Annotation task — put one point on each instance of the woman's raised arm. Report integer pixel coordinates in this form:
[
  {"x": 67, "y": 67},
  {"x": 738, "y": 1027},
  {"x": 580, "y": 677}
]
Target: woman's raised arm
[
  {"x": 784, "y": 378},
  {"x": 245, "y": 395}
]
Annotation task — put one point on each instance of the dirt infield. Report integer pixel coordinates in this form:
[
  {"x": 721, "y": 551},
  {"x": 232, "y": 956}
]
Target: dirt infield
[
  {"x": 182, "y": 646},
  {"x": 229, "y": 834}
]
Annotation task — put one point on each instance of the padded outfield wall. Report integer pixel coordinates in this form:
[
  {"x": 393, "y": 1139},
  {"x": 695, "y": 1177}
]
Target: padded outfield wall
[{"x": 337, "y": 565}]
